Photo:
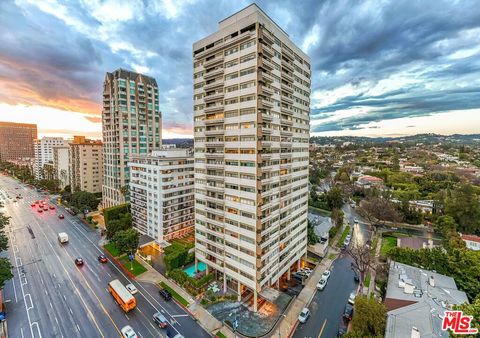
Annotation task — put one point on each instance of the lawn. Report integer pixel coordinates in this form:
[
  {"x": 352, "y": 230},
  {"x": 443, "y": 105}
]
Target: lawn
[
  {"x": 174, "y": 294},
  {"x": 134, "y": 267},
  {"x": 110, "y": 247},
  {"x": 367, "y": 281},
  {"x": 331, "y": 256},
  {"x": 345, "y": 232},
  {"x": 388, "y": 243},
  {"x": 323, "y": 212},
  {"x": 220, "y": 335}
]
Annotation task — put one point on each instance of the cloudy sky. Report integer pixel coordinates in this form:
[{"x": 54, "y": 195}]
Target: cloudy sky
[{"x": 379, "y": 67}]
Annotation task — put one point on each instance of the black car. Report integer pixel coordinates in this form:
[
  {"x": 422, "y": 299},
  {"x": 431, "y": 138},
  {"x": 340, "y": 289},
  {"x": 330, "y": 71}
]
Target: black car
[
  {"x": 348, "y": 313},
  {"x": 165, "y": 294},
  {"x": 356, "y": 278},
  {"x": 79, "y": 261}
]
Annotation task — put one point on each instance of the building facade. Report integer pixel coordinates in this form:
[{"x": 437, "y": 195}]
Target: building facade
[
  {"x": 61, "y": 165},
  {"x": 43, "y": 150},
  {"x": 131, "y": 125},
  {"x": 161, "y": 193},
  {"x": 16, "y": 141},
  {"x": 86, "y": 164},
  {"x": 251, "y": 129}
]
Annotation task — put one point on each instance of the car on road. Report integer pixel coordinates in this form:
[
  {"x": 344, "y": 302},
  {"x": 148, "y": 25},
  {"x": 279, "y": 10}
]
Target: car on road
[
  {"x": 356, "y": 220},
  {"x": 351, "y": 298},
  {"x": 165, "y": 294},
  {"x": 40, "y": 210},
  {"x": 355, "y": 277},
  {"x": 326, "y": 274},
  {"x": 348, "y": 312},
  {"x": 346, "y": 242},
  {"x": 178, "y": 335},
  {"x": 33, "y": 205},
  {"x": 52, "y": 207},
  {"x": 127, "y": 332},
  {"x": 79, "y": 261},
  {"x": 303, "y": 316},
  {"x": 307, "y": 271},
  {"x": 61, "y": 216},
  {"x": 45, "y": 208},
  {"x": 322, "y": 283},
  {"x": 131, "y": 288},
  {"x": 160, "y": 320},
  {"x": 353, "y": 205},
  {"x": 102, "y": 259}
]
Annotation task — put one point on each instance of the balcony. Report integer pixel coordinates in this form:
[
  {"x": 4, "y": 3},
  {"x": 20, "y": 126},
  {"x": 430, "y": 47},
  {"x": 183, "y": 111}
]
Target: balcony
[
  {"x": 213, "y": 97},
  {"x": 238, "y": 38},
  {"x": 214, "y": 155},
  {"x": 287, "y": 65},
  {"x": 213, "y": 108},
  {"x": 265, "y": 64},
  {"x": 213, "y": 73},
  {"x": 286, "y": 133},
  {"x": 265, "y": 90},
  {"x": 288, "y": 54},
  {"x": 213, "y": 85},
  {"x": 265, "y": 77},
  {"x": 287, "y": 77},
  {"x": 286, "y": 110},
  {"x": 286, "y": 87},
  {"x": 266, "y": 50},
  {"x": 215, "y": 131},
  {"x": 213, "y": 121},
  {"x": 214, "y": 143},
  {"x": 266, "y": 36},
  {"x": 287, "y": 99},
  {"x": 263, "y": 103},
  {"x": 216, "y": 60},
  {"x": 266, "y": 117}
]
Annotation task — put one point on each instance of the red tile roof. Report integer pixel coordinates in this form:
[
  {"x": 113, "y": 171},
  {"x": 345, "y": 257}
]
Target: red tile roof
[{"x": 472, "y": 238}]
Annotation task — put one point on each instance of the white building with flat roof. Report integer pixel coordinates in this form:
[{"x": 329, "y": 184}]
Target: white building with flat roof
[
  {"x": 43, "y": 151},
  {"x": 161, "y": 193}
]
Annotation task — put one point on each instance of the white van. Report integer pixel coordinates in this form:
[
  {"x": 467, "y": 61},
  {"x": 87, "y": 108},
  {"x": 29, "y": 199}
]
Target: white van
[{"x": 62, "y": 237}]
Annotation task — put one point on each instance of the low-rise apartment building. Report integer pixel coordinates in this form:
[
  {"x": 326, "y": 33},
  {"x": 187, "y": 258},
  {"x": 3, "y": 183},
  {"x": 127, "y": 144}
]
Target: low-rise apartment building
[
  {"x": 61, "y": 165},
  {"x": 162, "y": 194},
  {"x": 43, "y": 150}
]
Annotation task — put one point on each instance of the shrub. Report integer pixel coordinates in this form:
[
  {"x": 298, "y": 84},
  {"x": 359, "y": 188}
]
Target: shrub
[
  {"x": 115, "y": 212},
  {"x": 332, "y": 232}
]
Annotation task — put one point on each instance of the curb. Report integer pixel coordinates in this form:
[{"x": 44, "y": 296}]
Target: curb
[{"x": 131, "y": 275}]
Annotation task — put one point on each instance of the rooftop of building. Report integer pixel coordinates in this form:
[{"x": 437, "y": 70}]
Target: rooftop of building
[
  {"x": 121, "y": 73},
  {"x": 417, "y": 243},
  {"x": 368, "y": 178},
  {"x": 420, "y": 297},
  {"x": 472, "y": 238},
  {"x": 16, "y": 124}
]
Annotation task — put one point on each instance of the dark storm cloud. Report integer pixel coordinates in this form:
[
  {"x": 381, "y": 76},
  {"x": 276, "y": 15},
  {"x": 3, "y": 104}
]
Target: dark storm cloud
[{"x": 63, "y": 55}]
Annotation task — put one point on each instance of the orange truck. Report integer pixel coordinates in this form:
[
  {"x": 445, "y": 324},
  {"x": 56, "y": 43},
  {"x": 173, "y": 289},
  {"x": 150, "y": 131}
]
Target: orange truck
[{"x": 122, "y": 296}]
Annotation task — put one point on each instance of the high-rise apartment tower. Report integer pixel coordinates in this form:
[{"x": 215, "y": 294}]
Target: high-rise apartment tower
[
  {"x": 131, "y": 125},
  {"x": 251, "y": 120}
]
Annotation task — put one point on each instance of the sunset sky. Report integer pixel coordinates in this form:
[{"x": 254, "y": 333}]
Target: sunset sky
[{"x": 379, "y": 67}]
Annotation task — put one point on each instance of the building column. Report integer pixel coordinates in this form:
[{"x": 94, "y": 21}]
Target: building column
[
  {"x": 239, "y": 291},
  {"x": 278, "y": 284},
  {"x": 288, "y": 274},
  {"x": 298, "y": 264},
  {"x": 207, "y": 269},
  {"x": 224, "y": 282},
  {"x": 255, "y": 308},
  {"x": 196, "y": 265}
]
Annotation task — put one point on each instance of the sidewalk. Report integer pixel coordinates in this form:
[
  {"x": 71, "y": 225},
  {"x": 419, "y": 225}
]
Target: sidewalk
[{"x": 371, "y": 287}]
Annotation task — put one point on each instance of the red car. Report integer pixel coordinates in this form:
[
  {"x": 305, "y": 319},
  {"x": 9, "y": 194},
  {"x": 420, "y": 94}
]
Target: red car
[
  {"x": 40, "y": 210},
  {"x": 33, "y": 205},
  {"x": 61, "y": 216},
  {"x": 45, "y": 208},
  {"x": 102, "y": 259},
  {"x": 52, "y": 207}
]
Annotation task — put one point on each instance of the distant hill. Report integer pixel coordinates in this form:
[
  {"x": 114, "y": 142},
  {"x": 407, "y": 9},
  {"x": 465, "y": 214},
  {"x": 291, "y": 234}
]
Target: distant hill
[
  {"x": 472, "y": 139},
  {"x": 179, "y": 142}
]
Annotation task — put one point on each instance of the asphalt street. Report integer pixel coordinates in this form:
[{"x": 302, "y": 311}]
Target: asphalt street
[
  {"x": 50, "y": 296},
  {"x": 327, "y": 306}
]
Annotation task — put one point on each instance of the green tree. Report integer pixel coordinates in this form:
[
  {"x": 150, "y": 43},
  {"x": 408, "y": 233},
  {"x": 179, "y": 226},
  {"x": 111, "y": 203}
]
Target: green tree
[
  {"x": 464, "y": 206},
  {"x": 335, "y": 198},
  {"x": 337, "y": 217},
  {"x": 379, "y": 210},
  {"x": 117, "y": 225},
  {"x": 84, "y": 200},
  {"x": 311, "y": 235},
  {"x": 370, "y": 318},
  {"x": 473, "y": 310},
  {"x": 127, "y": 240},
  {"x": 5, "y": 265}
]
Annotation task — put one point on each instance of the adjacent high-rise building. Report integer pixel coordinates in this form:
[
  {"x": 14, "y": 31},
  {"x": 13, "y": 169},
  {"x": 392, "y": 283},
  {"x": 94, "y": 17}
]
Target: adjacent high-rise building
[
  {"x": 61, "y": 165},
  {"x": 251, "y": 119},
  {"x": 16, "y": 141},
  {"x": 161, "y": 194},
  {"x": 131, "y": 125},
  {"x": 43, "y": 150},
  {"x": 86, "y": 164}
]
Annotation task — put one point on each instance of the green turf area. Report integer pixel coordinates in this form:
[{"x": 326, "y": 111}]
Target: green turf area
[
  {"x": 367, "y": 281},
  {"x": 388, "y": 243},
  {"x": 345, "y": 232},
  {"x": 174, "y": 294},
  {"x": 220, "y": 335},
  {"x": 134, "y": 267},
  {"x": 110, "y": 247}
]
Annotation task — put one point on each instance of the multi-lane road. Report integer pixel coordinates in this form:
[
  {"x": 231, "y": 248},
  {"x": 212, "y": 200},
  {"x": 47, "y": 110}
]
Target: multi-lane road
[{"x": 49, "y": 296}]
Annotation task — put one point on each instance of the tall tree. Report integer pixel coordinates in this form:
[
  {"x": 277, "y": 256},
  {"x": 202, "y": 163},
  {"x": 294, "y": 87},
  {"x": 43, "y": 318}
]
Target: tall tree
[
  {"x": 127, "y": 241},
  {"x": 370, "y": 318},
  {"x": 362, "y": 260},
  {"x": 379, "y": 210},
  {"x": 5, "y": 265}
]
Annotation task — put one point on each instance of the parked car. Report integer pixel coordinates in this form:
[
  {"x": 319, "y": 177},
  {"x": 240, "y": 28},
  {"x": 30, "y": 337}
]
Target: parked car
[
  {"x": 61, "y": 216},
  {"x": 326, "y": 274},
  {"x": 165, "y": 294},
  {"x": 40, "y": 210},
  {"x": 52, "y": 207},
  {"x": 131, "y": 288},
  {"x": 346, "y": 242},
  {"x": 322, "y": 283},
  {"x": 33, "y": 205},
  {"x": 102, "y": 259},
  {"x": 79, "y": 261},
  {"x": 355, "y": 277},
  {"x": 351, "y": 298},
  {"x": 127, "y": 332},
  {"x": 160, "y": 320},
  {"x": 348, "y": 312},
  {"x": 303, "y": 316}
]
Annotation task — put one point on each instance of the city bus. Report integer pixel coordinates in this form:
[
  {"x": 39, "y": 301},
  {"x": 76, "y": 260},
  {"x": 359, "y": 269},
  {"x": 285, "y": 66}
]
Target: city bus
[{"x": 122, "y": 296}]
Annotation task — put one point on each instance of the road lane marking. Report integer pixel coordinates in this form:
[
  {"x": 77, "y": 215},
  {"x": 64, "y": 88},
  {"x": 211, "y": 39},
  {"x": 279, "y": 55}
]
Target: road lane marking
[
  {"x": 176, "y": 316},
  {"x": 126, "y": 316},
  {"x": 21, "y": 331},
  {"x": 323, "y": 327},
  {"x": 71, "y": 312},
  {"x": 14, "y": 290},
  {"x": 51, "y": 305}
]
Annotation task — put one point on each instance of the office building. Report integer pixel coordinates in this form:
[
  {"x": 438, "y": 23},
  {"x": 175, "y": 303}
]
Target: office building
[
  {"x": 61, "y": 166},
  {"x": 43, "y": 150},
  {"x": 16, "y": 141},
  {"x": 131, "y": 125},
  {"x": 251, "y": 129},
  {"x": 86, "y": 164},
  {"x": 161, "y": 194}
]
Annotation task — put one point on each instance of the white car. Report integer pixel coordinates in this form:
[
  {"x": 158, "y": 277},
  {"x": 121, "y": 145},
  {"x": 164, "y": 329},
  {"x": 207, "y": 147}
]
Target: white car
[
  {"x": 351, "y": 298},
  {"x": 322, "y": 283},
  {"x": 128, "y": 332},
  {"x": 356, "y": 220},
  {"x": 131, "y": 288},
  {"x": 307, "y": 271},
  {"x": 326, "y": 275},
  {"x": 303, "y": 316}
]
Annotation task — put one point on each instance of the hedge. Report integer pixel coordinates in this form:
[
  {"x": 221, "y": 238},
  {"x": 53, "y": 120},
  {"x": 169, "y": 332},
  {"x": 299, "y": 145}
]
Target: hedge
[{"x": 115, "y": 212}]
